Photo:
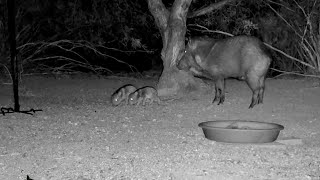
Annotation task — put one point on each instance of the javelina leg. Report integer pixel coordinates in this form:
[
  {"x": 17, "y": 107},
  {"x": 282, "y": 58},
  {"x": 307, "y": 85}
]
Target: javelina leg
[
  {"x": 221, "y": 83},
  {"x": 261, "y": 91},
  {"x": 158, "y": 101},
  {"x": 151, "y": 101},
  {"x": 139, "y": 101},
  {"x": 254, "y": 99},
  {"x": 219, "y": 94},
  {"x": 144, "y": 101},
  {"x": 253, "y": 83},
  {"x": 216, "y": 93}
]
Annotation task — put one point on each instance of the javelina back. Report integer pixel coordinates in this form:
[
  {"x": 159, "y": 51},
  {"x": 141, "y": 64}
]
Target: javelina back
[{"x": 242, "y": 57}]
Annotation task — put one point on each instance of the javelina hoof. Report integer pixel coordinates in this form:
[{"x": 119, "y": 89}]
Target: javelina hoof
[
  {"x": 254, "y": 102},
  {"x": 220, "y": 100},
  {"x": 251, "y": 106},
  {"x": 216, "y": 99}
]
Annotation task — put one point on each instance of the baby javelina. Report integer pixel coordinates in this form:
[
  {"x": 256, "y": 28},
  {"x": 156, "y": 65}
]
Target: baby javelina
[
  {"x": 144, "y": 95},
  {"x": 122, "y": 94}
]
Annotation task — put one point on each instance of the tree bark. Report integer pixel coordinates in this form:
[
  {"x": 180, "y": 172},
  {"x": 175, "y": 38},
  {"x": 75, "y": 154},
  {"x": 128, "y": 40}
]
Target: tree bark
[{"x": 161, "y": 17}]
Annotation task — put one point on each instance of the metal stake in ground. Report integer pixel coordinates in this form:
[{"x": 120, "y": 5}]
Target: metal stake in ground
[{"x": 14, "y": 62}]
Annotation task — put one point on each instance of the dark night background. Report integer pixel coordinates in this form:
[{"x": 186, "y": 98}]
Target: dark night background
[{"x": 95, "y": 35}]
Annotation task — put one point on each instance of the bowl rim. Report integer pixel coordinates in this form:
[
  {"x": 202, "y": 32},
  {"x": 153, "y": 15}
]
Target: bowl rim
[{"x": 278, "y": 127}]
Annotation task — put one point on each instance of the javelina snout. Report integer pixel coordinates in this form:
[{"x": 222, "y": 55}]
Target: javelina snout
[
  {"x": 186, "y": 61},
  {"x": 242, "y": 57}
]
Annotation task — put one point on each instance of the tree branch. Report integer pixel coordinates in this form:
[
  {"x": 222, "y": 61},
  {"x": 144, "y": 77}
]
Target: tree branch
[
  {"x": 177, "y": 30},
  {"x": 210, "y": 8},
  {"x": 160, "y": 13},
  {"x": 161, "y": 17}
]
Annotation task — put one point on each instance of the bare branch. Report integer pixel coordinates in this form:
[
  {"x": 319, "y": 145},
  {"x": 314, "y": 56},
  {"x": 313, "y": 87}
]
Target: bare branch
[
  {"x": 279, "y": 4},
  {"x": 294, "y": 29},
  {"x": 35, "y": 49},
  {"x": 309, "y": 46},
  {"x": 208, "y": 30},
  {"x": 210, "y": 8},
  {"x": 6, "y": 68},
  {"x": 290, "y": 57},
  {"x": 295, "y": 73}
]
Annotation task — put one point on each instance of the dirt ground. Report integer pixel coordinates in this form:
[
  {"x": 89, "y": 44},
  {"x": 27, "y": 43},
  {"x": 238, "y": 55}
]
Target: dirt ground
[{"x": 80, "y": 136}]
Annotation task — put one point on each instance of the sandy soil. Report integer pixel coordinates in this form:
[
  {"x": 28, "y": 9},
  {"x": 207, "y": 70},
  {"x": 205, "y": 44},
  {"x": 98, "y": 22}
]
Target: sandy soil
[{"x": 80, "y": 136}]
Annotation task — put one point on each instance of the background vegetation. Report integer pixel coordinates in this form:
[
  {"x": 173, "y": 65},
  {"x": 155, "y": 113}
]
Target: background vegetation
[{"x": 106, "y": 37}]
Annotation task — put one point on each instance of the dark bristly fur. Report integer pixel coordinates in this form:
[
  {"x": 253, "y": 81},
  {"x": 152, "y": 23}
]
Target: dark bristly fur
[
  {"x": 144, "y": 95},
  {"x": 122, "y": 94}
]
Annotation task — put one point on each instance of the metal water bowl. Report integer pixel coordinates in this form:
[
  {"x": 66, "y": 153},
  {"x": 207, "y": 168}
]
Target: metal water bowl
[{"x": 239, "y": 131}]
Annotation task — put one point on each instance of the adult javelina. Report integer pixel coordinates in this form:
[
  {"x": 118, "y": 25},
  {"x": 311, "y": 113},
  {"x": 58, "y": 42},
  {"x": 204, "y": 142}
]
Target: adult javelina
[{"x": 242, "y": 57}]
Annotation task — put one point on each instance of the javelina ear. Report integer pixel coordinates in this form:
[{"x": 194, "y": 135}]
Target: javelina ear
[
  {"x": 192, "y": 45},
  {"x": 198, "y": 59},
  {"x": 187, "y": 39}
]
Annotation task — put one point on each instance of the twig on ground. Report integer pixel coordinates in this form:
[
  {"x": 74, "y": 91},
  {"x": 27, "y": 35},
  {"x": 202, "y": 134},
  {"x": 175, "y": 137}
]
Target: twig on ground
[{"x": 5, "y": 111}]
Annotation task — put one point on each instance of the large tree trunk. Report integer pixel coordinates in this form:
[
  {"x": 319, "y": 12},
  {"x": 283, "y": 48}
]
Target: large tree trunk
[{"x": 172, "y": 26}]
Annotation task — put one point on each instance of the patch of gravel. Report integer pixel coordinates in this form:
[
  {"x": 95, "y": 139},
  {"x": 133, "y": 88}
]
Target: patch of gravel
[{"x": 80, "y": 136}]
